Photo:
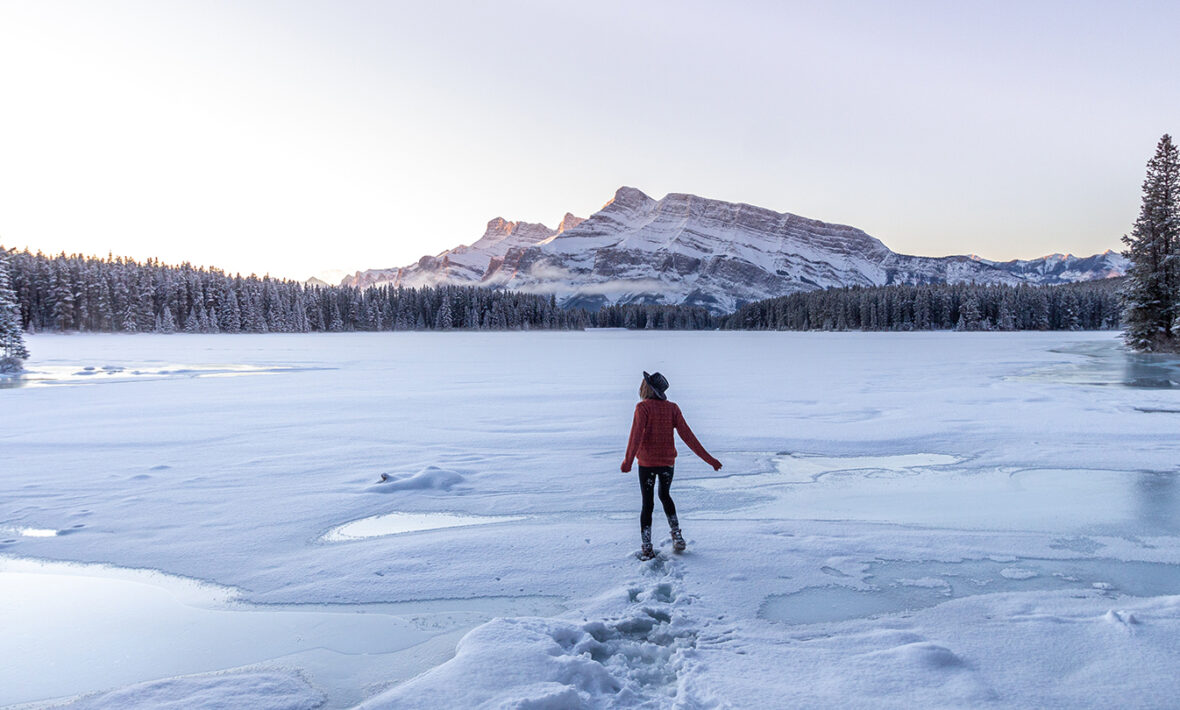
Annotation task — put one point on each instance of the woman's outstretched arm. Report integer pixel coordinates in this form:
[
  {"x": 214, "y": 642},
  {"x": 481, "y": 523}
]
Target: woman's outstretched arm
[{"x": 689, "y": 438}]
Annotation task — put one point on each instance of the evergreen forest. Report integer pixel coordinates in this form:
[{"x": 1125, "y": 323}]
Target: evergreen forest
[
  {"x": 116, "y": 295},
  {"x": 79, "y": 293},
  {"x": 1088, "y": 305}
]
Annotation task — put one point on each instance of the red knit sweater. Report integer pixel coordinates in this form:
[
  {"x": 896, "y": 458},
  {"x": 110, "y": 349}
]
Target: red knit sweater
[{"x": 651, "y": 435}]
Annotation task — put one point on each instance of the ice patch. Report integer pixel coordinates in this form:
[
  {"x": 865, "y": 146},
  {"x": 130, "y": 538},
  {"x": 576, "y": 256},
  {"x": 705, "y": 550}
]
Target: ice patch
[
  {"x": 795, "y": 463},
  {"x": 31, "y": 532},
  {"x": 1077, "y": 544},
  {"x": 258, "y": 690},
  {"x": 1017, "y": 573},
  {"x": 813, "y": 605},
  {"x": 100, "y": 627},
  {"x": 927, "y": 583},
  {"x": 44, "y": 375},
  {"x": 897, "y": 587},
  {"x": 1109, "y": 363},
  {"x": 1109, "y": 502},
  {"x": 802, "y": 468},
  {"x": 397, "y": 523}
]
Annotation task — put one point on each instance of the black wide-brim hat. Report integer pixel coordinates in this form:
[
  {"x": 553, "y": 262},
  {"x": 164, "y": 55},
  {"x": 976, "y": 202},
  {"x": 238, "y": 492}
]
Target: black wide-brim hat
[{"x": 657, "y": 382}]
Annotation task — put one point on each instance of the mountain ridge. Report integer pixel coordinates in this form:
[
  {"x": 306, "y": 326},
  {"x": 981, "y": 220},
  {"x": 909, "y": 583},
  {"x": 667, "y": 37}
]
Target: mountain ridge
[{"x": 686, "y": 249}]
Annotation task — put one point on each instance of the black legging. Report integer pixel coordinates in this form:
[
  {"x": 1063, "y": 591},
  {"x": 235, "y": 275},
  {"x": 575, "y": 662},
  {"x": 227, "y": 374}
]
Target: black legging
[{"x": 647, "y": 482}]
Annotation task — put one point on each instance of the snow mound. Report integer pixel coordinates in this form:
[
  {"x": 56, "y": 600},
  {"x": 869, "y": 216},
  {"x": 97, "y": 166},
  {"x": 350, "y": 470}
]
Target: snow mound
[
  {"x": 258, "y": 690},
  {"x": 923, "y": 673},
  {"x": 431, "y": 477},
  {"x": 921, "y": 654},
  {"x": 1124, "y": 619}
]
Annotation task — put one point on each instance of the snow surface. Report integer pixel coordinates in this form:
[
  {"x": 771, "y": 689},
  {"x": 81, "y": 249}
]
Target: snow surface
[{"x": 903, "y": 520}]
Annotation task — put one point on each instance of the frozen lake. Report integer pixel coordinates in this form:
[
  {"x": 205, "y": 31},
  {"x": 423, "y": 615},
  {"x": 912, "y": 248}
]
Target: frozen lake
[{"x": 903, "y": 519}]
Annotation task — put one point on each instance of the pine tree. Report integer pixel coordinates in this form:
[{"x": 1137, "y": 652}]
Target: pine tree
[
  {"x": 443, "y": 319},
  {"x": 336, "y": 324},
  {"x": 1070, "y": 312},
  {"x": 1151, "y": 301},
  {"x": 1006, "y": 318},
  {"x": 167, "y": 322},
  {"x": 129, "y": 324},
  {"x": 192, "y": 324},
  {"x": 63, "y": 296},
  {"x": 12, "y": 342},
  {"x": 970, "y": 317},
  {"x": 372, "y": 315}
]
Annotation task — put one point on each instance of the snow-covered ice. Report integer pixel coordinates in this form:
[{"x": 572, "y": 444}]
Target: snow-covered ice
[{"x": 438, "y": 520}]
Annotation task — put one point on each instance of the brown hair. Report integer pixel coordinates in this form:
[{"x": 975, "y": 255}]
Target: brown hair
[{"x": 646, "y": 392}]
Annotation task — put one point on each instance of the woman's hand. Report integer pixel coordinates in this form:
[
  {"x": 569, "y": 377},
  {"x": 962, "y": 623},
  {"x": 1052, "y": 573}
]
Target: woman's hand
[
  {"x": 626, "y": 467},
  {"x": 715, "y": 464}
]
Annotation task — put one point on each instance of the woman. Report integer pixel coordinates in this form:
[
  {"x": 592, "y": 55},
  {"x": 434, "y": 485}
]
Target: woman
[{"x": 651, "y": 441}]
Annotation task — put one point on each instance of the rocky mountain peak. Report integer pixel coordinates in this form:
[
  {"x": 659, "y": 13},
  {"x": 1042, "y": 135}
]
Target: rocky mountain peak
[
  {"x": 498, "y": 228},
  {"x": 626, "y": 199},
  {"x": 569, "y": 221}
]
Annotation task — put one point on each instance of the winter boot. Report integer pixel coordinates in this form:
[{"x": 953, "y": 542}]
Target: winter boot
[
  {"x": 678, "y": 544},
  {"x": 645, "y": 550}
]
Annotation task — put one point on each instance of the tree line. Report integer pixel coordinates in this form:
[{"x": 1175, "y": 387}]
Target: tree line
[
  {"x": 80, "y": 293},
  {"x": 1091, "y": 305},
  {"x": 118, "y": 295}
]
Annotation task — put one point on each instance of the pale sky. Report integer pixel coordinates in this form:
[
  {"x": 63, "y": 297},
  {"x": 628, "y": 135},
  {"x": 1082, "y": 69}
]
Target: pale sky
[{"x": 293, "y": 138}]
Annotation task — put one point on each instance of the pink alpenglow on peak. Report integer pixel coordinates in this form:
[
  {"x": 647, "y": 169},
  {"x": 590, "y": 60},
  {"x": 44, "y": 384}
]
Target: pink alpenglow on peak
[{"x": 569, "y": 221}]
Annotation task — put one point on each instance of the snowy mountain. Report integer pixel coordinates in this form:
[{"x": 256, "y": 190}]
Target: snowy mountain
[
  {"x": 1064, "y": 268},
  {"x": 685, "y": 249},
  {"x": 465, "y": 264}
]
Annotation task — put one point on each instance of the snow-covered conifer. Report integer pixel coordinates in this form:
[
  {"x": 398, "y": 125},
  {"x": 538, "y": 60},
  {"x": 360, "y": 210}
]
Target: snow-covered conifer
[
  {"x": 443, "y": 319},
  {"x": 129, "y": 320},
  {"x": 191, "y": 324},
  {"x": 12, "y": 343},
  {"x": 1152, "y": 295},
  {"x": 970, "y": 317},
  {"x": 63, "y": 295},
  {"x": 336, "y": 324},
  {"x": 1006, "y": 316}
]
